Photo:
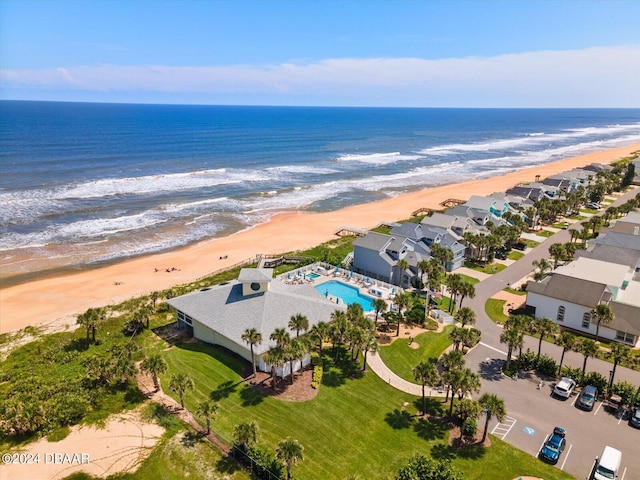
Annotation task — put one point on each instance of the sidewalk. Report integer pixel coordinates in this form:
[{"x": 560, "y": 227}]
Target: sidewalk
[{"x": 377, "y": 365}]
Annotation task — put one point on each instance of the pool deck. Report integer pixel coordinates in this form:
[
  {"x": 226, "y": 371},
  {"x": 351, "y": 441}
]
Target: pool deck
[{"x": 365, "y": 285}]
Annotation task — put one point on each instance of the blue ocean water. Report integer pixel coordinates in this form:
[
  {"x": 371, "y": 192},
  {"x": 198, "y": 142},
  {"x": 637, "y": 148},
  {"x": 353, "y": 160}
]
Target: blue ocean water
[{"x": 86, "y": 183}]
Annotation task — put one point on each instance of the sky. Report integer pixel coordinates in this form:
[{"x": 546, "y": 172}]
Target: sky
[{"x": 405, "y": 53}]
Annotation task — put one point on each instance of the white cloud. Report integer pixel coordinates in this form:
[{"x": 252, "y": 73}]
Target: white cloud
[{"x": 603, "y": 76}]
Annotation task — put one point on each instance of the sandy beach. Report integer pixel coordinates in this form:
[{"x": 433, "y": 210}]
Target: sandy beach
[{"x": 54, "y": 302}]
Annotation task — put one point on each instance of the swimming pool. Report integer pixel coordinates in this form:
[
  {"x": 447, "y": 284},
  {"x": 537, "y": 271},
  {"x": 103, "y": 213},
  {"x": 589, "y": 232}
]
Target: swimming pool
[
  {"x": 346, "y": 293},
  {"x": 312, "y": 275}
]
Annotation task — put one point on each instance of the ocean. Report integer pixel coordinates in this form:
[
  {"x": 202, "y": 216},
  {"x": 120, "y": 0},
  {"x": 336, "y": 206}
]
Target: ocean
[{"x": 88, "y": 184}]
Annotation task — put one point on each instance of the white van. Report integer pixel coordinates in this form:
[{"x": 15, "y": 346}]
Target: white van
[{"x": 608, "y": 464}]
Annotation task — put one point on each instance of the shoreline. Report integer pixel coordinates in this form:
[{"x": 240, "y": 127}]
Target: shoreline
[{"x": 54, "y": 301}]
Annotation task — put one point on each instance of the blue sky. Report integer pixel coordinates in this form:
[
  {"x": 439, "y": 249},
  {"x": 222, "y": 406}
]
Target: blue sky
[{"x": 424, "y": 53}]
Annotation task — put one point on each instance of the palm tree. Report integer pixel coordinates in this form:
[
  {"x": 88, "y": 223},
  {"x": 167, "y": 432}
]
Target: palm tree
[
  {"x": 568, "y": 341},
  {"x": 557, "y": 252},
  {"x": 514, "y": 338},
  {"x": 423, "y": 267},
  {"x": 454, "y": 285},
  {"x": 208, "y": 410},
  {"x": 180, "y": 383},
  {"x": 402, "y": 266},
  {"x": 601, "y": 314},
  {"x": 456, "y": 335},
  {"x": 318, "y": 333},
  {"x": 290, "y": 452},
  {"x": 245, "y": 435},
  {"x": 541, "y": 266},
  {"x": 281, "y": 337},
  {"x": 466, "y": 316},
  {"x": 402, "y": 301},
  {"x": 90, "y": 319},
  {"x": 369, "y": 344},
  {"x": 252, "y": 337},
  {"x": 470, "y": 337},
  {"x": 274, "y": 358},
  {"x": 452, "y": 360},
  {"x": 380, "y": 306},
  {"x": 492, "y": 405},
  {"x": 338, "y": 331},
  {"x": 463, "y": 381},
  {"x": 588, "y": 348},
  {"x": 619, "y": 353},
  {"x": 543, "y": 326},
  {"x": 294, "y": 351},
  {"x": 299, "y": 322},
  {"x": 154, "y": 366},
  {"x": 466, "y": 290},
  {"x": 442, "y": 254},
  {"x": 426, "y": 373},
  {"x": 465, "y": 409}
]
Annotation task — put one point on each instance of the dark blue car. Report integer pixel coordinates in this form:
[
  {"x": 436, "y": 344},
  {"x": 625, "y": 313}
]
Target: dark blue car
[{"x": 554, "y": 446}]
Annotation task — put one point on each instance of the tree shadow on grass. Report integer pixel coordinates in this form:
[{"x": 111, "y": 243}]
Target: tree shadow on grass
[
  {"x": 471, "y": 452},
  {"x": 333, "y": 377},
  {"x": 251, "y": 397},
  {"x": 430, "y": 428},
  {"x": 189, "y": 439},
  {"x": 77, "y": 345},
  {"x": 228, "y": 466},
  {"x": 398, "y": 419},
  {"x": 433, "y": 405},
  {"x": 442, "y": 451},
  {"x": 224, "y": 390}
]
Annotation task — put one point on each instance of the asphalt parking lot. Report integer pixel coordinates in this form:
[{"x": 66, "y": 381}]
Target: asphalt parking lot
[{"x": 533, "y": 413}]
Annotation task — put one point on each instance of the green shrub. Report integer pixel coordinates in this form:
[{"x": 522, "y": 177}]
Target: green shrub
[
  {"x": 596, "y": 379},
  {"x": 547, "y": 365},
  {"x": 469, "y": 427},
  {"x": 317, "y": 376},
  {"x": 527, "y": 361}
]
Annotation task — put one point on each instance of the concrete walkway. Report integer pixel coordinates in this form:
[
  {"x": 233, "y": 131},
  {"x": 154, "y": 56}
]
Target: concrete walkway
[{"x": 377, "y": 365}]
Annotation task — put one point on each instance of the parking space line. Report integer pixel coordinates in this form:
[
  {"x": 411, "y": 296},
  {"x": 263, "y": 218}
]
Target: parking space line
[
  {"x": 542, "y": 444},
  {"x": 624, "y": 472},
  {"x": 598, "y": 409},
  {"x": 504, "y": 427},
  {"x": 566, "y": 456}
]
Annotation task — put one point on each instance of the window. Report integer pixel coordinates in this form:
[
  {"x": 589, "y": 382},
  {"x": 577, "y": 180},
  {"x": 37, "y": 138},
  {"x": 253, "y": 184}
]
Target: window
[
  {"x": 586, "y": 320},
  {"x": 560, "y": 316},
  {"x": 625, "y": 337}
]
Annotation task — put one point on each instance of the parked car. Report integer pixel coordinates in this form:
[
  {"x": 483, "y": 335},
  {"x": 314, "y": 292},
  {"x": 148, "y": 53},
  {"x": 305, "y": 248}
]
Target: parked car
[
  {"x": 565, "y": 226},
  {"x": 587, "y": 398},
  {"x": 634, "y": 420},
  {"x": 501, "y": 255},
  {"x": 564, "y": 388},
  {"x": 554, "y": 446},
  {"x": 520, "y": 246},
  {"x": 593, "y": 206}
]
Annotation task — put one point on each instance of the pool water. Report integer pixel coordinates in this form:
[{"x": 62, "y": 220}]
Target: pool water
[
  {"x": 312, "y": 276},
  {"x": 346, "y": 293}
]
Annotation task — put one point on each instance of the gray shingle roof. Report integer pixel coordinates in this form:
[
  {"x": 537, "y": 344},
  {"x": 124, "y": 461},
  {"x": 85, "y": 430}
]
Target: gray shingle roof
[
  {"x": 572, "y": 290},
  {"x": 225, "y": 310},
  {"x": 617, "y": 239}
]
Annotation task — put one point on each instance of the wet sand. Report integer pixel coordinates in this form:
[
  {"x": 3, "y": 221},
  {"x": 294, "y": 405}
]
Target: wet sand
[{"x": 54, "y": 302}]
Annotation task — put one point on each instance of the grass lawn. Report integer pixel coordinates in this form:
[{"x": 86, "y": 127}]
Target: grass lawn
[
  {"x": 468, "y": 279},
  {"x": 401, "y": 358},
  {"x": 514, "y": 291},
  {"x": 357, "y": 424},
  {"x": 494, "y": 309},
  {"x": 544, "y": 233},
  {"x": 515, "y": 255},
  {"x": 489, "y": 268},
  {"x": 531, "y": 243},
  {"x": 589, "y": 210}
]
